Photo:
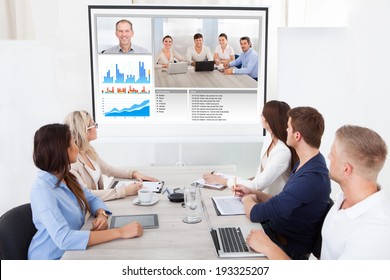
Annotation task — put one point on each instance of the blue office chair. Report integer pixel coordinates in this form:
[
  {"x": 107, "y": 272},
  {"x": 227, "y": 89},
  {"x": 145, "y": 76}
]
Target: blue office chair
[
  {"x": 316, "y": 251},
  {"x": 235, "y": 57},
  {"x": 16, "y": 231}
]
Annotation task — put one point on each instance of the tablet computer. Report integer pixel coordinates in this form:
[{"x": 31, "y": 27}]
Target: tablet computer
[{"x": 146, "y": 220}]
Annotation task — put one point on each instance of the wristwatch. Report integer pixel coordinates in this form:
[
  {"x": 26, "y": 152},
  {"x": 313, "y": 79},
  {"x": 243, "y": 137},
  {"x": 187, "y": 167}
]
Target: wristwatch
[
  {"x": 233, "y": 71},
  {"x": 104, "y": 213}
]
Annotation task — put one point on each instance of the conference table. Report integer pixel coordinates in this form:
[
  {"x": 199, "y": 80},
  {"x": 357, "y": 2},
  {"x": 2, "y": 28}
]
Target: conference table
[
  {"x": 202, "y": 79},
  {"x": 173, "y": 239}
]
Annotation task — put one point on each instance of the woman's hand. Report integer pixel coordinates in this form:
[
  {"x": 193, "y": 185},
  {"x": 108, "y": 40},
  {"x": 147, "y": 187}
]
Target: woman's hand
[
  {"x": 131, "y": 230},
  {"x": 132, "y": 189},
  {"x": 214, "y": 179},
  {"x": 99, "y": 223},
  {"x": 141, "y": 177}
]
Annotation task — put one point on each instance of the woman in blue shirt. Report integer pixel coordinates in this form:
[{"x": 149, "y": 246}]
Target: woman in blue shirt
[{"x": 59, "y": 203}]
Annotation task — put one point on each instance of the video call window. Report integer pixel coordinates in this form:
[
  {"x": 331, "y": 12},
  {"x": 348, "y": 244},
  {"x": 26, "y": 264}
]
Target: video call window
[{"x": 168, "y": 67}]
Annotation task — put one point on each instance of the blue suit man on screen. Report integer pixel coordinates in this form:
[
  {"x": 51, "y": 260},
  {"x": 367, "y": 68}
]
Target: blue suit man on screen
[{"x": 248, "y": 59}]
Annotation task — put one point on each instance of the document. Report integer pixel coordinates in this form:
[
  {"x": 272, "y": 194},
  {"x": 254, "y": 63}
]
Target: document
[
  {"x": 228, "y": 205},
  {"x": 154, "y": 186}
]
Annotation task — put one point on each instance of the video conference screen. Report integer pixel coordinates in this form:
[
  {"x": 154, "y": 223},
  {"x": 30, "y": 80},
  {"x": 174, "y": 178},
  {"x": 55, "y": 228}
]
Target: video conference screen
[{"x": 178, "y": 71}]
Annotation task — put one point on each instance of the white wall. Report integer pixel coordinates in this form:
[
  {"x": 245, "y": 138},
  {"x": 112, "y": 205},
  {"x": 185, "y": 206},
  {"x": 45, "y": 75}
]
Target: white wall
[
  {"x": 342, "y": 71},
  {"x": 45, "y": 78}
]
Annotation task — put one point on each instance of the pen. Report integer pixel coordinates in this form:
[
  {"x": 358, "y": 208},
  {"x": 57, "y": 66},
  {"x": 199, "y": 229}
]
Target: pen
[{"x": 234, "y": 185}]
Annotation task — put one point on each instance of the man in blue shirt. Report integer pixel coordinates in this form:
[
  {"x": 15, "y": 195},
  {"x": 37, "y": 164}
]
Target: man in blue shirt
[
  {"x": 293, "y": 218},
  {"x": 248, "y": 59}
]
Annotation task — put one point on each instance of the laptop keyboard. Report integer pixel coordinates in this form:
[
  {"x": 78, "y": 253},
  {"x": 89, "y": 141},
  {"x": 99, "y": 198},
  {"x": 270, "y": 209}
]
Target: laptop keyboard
[{"x": 232, "y": 240}]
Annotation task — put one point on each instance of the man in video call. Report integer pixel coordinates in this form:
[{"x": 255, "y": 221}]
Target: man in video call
[
  {"x": 124, "y": 32},
  {"x": 248, "y": 60}
]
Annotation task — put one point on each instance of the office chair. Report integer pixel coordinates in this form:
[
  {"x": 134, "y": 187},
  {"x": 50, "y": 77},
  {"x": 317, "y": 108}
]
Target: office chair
[
  {"x": 235, "y": 57},
  {"x": 16, "y": 231},
  {"x": 316, "y": 251}
]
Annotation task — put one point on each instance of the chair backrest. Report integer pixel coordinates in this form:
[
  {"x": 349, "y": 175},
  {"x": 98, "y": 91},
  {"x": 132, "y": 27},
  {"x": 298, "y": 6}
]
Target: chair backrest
[
  {"x": 316, "y": 251},
  {"x": 16, "y": 231}
]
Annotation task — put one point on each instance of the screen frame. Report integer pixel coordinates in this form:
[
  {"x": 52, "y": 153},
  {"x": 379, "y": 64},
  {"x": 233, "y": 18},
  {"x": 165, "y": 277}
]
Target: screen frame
[{"x": 221, "y": 132}]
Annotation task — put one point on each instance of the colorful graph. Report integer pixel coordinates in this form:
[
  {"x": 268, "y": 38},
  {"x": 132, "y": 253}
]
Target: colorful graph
[
  {"x": 126, "y": 90},
  {"x": 136, "y": 110},
  {"x": 128, "y": 75}
]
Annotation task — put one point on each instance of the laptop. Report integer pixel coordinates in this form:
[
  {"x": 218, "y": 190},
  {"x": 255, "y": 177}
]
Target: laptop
[
  {"x": 177, "y": 68},
  {"x": 229, "y": 241},
  {"x": 204, "y": 65}
]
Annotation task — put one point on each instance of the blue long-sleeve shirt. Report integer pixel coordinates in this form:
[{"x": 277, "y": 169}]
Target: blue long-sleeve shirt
[
  {"x": 249, "y": 62},
  {"x": 58, "y": 218},
  {"x": 298, "y": 211}
]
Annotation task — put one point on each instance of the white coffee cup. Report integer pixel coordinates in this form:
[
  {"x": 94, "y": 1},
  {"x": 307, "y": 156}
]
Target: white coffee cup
[{"x": 145, "y": 195}]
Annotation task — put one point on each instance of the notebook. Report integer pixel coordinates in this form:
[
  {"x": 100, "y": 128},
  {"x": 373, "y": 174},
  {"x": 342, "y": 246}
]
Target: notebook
[
  {"x": 204, "y": 65},
  {"x": 177, "y": 68},
  {"x": 229, "y": 241}
]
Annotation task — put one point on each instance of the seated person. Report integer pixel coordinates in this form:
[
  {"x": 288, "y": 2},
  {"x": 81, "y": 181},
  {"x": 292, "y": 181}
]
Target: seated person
[
  {"x": 167, "y": 54},
  {"x": 248, "y": 59},
  {"x": 358, "y": 224},
  {"x": 59, "y": 203},
  {"x": 89, "y": 167},
  {"x": 198, "y": 52},
  {"x": 276, "y": 158},
  {"x": 124, "y": 32},
  {"x": 293, "y": 218},
  {"x": 223, "y": 52}
]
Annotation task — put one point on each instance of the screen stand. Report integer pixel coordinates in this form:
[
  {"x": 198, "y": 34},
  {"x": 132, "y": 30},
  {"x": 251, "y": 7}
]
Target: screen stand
[{"x": 180, "y": 162}]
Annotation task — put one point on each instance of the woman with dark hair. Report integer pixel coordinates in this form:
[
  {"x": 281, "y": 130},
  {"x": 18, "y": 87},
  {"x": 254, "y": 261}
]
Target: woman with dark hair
[
  {"x": 276, "y": 158},
  {"x": 59, "y": 203},
  {"x": 167, "y": 54},
  {"x": 223, "y": 52}
]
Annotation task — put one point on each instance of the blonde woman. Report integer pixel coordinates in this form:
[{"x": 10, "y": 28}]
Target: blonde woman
[{"x": 89, "y": 167}]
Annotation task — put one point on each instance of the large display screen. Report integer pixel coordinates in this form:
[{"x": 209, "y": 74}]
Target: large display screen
[{"x": 150, "y": 78}]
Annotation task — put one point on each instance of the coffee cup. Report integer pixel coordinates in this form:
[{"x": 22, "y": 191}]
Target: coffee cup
[{"x": 145, "y": 195}]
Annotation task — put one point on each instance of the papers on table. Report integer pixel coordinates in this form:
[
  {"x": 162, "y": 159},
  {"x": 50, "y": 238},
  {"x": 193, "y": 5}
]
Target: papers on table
[
  {"x": 154, "y": 186},
  {"x": 228, "y": 205}
]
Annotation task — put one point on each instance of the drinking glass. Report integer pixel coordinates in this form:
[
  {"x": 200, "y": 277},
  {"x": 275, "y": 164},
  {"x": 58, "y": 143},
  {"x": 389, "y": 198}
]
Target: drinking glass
[{"x": 192, "y": 204}]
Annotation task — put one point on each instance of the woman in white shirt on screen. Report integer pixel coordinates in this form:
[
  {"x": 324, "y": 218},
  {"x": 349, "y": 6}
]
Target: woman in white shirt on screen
[
  {"x": 89, "y": 167},
  {"x": 167, "y": 54},
  {"x": 223, "y": 52},
  {"x": 276, "y": 158}
]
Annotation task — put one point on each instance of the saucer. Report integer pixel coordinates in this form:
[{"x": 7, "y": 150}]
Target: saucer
[{"x": 153, "y": 201}]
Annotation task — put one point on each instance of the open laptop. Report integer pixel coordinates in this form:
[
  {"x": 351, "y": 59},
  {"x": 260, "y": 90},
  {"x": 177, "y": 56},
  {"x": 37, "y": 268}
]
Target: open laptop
[
  {"x": 229, "y": 241},
  {"x": 204, "y": 65},
  {"x": 177, "y": 68}
]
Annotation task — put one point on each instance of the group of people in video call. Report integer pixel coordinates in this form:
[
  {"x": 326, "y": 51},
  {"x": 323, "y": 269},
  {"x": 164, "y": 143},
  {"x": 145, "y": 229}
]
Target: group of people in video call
[
  {"x": 224, "y": 56},
  {"x": 245, "y": 63},
  {"x": 289, "y": 194}
]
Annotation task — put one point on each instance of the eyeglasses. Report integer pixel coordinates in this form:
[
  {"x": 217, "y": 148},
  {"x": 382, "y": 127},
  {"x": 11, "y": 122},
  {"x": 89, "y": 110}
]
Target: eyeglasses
[{"x": 92, "y": 126}]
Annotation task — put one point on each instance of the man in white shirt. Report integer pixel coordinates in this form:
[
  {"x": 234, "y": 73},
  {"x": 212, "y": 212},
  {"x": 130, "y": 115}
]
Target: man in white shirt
[
  {"x": 358, "y": 225},
  {"x": 198, "y": 52}
]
